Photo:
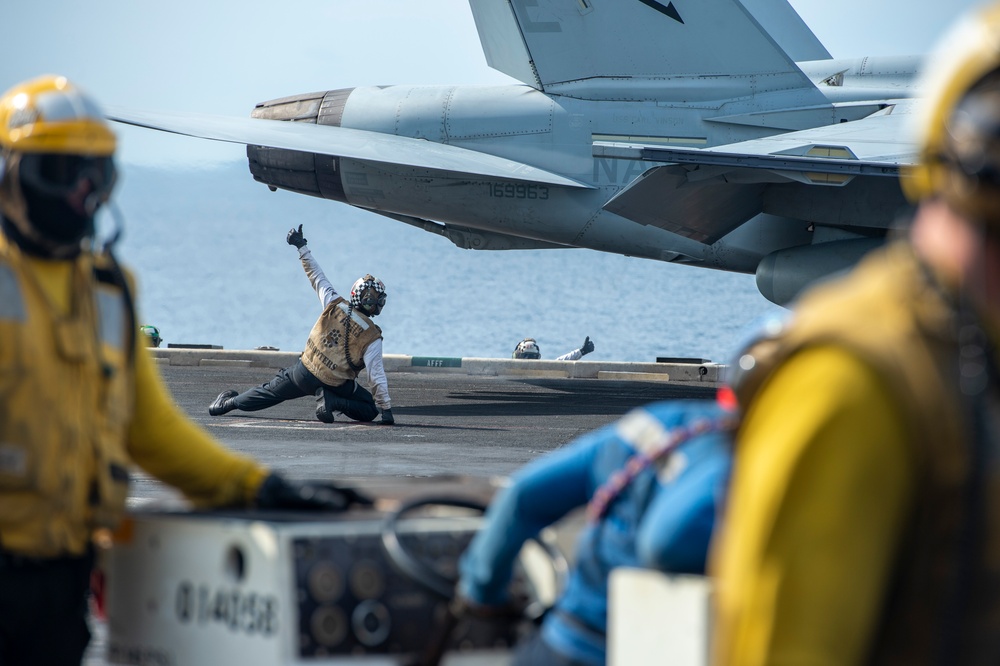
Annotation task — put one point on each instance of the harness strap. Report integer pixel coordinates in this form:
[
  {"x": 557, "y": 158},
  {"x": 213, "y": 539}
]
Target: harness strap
[{"x": 671, "y": 439}]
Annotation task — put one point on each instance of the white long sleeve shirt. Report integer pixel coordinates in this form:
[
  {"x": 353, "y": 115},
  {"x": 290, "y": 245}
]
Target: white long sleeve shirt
[
  {"x": 378, "y": 385},
  {"x": 574, "y": 355}
]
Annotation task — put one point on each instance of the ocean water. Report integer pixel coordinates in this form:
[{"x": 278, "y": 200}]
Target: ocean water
[{"x": 209, "y": 253}]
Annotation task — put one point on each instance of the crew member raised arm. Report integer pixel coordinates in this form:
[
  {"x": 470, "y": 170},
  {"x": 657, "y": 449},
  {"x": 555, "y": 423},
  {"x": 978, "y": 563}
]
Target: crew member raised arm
[
  {"x": 529, "y": 349},
  {"x": 343, "y": 342},
  {"x": 379, "y": 386}
]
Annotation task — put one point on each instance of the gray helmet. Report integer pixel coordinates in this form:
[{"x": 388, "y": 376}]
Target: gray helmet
[{"x": 527, "y": 348}]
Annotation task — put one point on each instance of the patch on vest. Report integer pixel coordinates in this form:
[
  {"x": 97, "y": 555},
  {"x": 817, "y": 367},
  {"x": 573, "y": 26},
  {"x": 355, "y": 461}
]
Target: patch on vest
[{"x": 331, "y": 339}]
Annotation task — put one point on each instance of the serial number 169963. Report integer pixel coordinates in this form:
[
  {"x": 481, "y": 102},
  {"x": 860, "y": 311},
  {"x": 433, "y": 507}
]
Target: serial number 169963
[
  {"x": 247, "y": 612},
  {"x": 518, "y": 191}
]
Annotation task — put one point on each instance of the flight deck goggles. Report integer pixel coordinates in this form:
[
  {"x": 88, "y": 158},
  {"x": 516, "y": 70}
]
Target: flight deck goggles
[
  {"x": 59, "y": 175},
  {"x": 369, "y": 301}
]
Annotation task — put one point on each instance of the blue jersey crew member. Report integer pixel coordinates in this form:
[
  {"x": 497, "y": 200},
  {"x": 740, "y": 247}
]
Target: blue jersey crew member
[{"x": 653, "y": 480}]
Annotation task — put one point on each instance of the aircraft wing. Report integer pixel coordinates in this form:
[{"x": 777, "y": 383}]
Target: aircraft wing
[
  {"x": 714, "y": 190},
  {"x": 340, "y": 142}
]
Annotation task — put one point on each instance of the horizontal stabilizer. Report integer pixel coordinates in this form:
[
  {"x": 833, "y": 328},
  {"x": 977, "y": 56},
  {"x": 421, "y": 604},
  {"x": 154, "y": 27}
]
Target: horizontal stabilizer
[
  {"x": 704, "y": 211},
  {"x": 874, "y": 146},
  {"x": 341, "y": 142}
]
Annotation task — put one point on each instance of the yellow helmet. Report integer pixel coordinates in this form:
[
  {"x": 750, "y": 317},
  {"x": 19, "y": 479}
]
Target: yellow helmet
[
  {"x": 51, "y": 115},
  {"x": 57, "y": 160},
  {"x": 969, "y": 52}
]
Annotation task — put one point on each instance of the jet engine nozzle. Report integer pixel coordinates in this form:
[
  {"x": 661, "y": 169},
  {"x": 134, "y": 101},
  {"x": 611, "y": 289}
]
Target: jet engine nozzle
[{"x": 302, "y": 172}]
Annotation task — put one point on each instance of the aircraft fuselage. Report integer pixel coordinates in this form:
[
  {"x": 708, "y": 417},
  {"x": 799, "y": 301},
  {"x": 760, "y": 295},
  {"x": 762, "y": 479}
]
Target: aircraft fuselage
[{"x": 557, "y": 133}]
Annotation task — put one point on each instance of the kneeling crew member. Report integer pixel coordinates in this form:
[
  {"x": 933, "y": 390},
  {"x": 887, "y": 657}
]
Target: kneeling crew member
[{"x": 343, "y": 342}]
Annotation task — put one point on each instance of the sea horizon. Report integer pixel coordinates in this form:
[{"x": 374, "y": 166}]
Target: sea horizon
[{"x": 207, "y": 246}]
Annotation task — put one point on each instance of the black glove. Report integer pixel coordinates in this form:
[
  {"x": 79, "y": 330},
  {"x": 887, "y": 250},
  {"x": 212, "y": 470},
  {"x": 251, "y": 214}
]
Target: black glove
[
  {"x": 295, "y": 237},
  {"x": 276, "y": 492},
  {"x": 387, "y": 417},
  {"x": 587, "y": 347}
]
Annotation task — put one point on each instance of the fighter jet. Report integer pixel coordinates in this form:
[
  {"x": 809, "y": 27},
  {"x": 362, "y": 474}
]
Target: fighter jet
[{"x": 715, "y": 133}]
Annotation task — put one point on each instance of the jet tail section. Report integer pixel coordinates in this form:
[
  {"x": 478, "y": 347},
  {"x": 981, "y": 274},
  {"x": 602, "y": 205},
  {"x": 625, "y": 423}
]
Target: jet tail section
[
  {"x": 782, "y": 22},
  {"x": 683, "y": 50}
]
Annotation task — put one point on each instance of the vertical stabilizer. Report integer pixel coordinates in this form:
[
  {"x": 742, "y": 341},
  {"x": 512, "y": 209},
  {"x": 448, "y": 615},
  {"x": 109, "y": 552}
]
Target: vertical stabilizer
[
  {"x": 503, "y": 45},
  {"x": 702, "y": 49},
  {"x": 783, "y": 23}
]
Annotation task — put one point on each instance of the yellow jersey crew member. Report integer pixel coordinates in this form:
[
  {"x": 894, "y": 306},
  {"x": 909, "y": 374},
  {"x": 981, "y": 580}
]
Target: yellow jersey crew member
[
  {"x": 864, "y": 514},
  {"x": 80, "y": 397}
]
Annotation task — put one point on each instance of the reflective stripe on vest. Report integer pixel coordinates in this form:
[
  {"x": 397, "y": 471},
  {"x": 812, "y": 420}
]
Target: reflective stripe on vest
[
  {"x": 355, "y": 317},
  {"x": 11, "y": 300},
  {"x": 111, "y": 314}
]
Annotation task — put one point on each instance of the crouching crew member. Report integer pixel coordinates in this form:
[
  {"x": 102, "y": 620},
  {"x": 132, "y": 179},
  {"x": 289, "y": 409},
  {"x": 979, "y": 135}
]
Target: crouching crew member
[{"x": 343, "y": 342}]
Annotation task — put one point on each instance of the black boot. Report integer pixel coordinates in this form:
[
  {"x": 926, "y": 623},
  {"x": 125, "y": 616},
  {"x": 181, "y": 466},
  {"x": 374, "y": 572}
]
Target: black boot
[
  {"x": 323, "y": 411},
  {"x": 323, "y": 414},
  {"x": 224, "y": 403}
]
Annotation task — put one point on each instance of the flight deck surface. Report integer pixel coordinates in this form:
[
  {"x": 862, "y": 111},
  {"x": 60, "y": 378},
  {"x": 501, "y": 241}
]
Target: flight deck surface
[{"x": 448, "y": 424}]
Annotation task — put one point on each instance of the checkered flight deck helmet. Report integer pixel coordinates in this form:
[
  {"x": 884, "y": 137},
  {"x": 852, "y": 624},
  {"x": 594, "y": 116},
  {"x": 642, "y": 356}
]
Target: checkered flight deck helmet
[
  {"x": 527, "y": 348},
  {"x": 56, "y": 149},
  {"x": 958, "y": 127},
  {"x": 368, "y": 295}
]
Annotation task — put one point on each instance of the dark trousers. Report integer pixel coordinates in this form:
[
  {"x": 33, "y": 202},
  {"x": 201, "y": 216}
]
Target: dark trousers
[
  {"x": 43, "y": 611},
  {"x": 296, "y": 382}
]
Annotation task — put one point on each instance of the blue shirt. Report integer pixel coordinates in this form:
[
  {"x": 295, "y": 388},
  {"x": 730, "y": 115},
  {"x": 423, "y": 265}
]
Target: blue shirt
[{"x": 663, "y": 519}]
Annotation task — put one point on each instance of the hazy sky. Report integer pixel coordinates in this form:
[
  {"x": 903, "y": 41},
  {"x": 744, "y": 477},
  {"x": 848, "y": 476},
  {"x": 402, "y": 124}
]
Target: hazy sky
[{"x": 223, "y": 56}]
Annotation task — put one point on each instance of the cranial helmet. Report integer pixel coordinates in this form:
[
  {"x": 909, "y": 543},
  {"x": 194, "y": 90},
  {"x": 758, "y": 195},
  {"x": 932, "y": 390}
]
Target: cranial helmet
[
  {"x": 368, "y": 295},
  {"x": 527, "y": 348},
  {"x": 958, "y": 127},
  {"x": 152, "y": 334},
  {"x": 57, "y": 154}
]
